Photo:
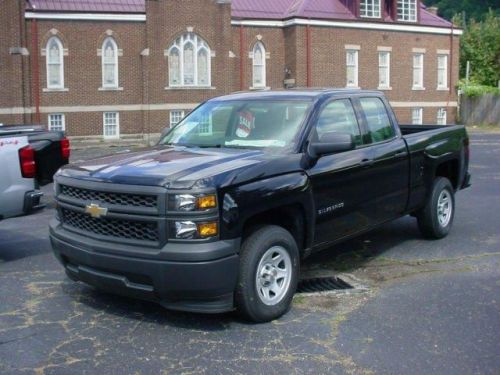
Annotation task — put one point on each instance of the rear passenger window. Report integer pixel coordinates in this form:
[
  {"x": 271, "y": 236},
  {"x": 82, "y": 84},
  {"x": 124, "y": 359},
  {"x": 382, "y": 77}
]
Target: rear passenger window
[
  {"x": 338, "y": 116},
  {"x": 379, "y": 124}
]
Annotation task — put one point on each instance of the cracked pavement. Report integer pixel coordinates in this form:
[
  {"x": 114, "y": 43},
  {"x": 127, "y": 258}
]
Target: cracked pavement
[{"x": 432, "y": 307}]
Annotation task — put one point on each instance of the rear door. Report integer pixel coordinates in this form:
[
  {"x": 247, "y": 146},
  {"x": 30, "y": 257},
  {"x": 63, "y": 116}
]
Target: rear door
[
  {"x": 339, "y": 181},
  {"x": 389, "y": 186}
]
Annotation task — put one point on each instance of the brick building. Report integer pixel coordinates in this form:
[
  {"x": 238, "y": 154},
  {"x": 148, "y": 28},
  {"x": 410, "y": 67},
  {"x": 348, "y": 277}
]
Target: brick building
[{"x": 116, "y": 68}]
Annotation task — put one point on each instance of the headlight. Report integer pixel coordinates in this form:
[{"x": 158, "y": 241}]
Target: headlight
[
  {"x": 188, "y": 230},
  {"x": 192, "y": 202}
]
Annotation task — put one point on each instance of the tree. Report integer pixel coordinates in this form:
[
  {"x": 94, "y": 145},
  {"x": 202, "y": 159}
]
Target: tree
[
  {"x": 480, "y": 44},
  {"x": 473, "y": 9}
]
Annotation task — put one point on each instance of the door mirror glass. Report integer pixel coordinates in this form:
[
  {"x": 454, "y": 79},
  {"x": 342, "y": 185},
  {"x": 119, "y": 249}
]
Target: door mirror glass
[{"x": 330, "y": 143}]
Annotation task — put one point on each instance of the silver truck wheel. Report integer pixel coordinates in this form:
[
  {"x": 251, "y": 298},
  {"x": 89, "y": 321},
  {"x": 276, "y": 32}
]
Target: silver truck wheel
[
  {"x": 274, "y": 273},
  {"x": 268, "y": 274}
]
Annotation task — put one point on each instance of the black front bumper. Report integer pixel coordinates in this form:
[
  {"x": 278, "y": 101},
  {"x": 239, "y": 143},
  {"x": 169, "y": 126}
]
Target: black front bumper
[{"x": 203, "y": 283}]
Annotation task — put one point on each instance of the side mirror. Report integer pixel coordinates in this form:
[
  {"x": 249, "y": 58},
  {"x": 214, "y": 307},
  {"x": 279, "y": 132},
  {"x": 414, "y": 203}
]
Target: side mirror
[{"x": 330, "y": 143}]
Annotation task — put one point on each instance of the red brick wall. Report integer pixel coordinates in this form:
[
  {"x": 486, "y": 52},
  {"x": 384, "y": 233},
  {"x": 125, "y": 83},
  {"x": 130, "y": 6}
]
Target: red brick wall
[{"x": 144, "y": 79}]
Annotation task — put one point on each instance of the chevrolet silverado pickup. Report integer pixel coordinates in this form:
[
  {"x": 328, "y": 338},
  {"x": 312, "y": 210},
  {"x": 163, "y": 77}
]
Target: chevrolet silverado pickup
[
  {"x": 218, "y": 215},
  {"x": 29, "y": 157}
]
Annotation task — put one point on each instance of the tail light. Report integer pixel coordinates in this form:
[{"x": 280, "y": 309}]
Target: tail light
[
  {"x": 65, "y": 149},
  {"x": 27, "y": 162}
]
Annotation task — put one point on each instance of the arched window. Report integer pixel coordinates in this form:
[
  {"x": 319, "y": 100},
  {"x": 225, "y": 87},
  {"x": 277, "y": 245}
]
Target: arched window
[
  {"x": 259, "y": 65},
  {"x": 189, "y": 61},
  {"x": 109, "y": 63},
  {"x": 55, "y": 63}
]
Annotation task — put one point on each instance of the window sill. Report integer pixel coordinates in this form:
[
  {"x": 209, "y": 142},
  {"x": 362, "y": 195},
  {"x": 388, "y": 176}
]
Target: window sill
[
  {"x": 384, "y": 88},
  {"x": 64, "y": 89},
  {"x": 418, "y": 88},
  {"x": 190, "y": 88},
  {"x": 110, "y": 89},
  {"x": 259, "y": 88},
  {"x": 443, "y": 89}
]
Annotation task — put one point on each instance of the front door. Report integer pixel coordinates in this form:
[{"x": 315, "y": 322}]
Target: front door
[{"x": 339, "y": 181}]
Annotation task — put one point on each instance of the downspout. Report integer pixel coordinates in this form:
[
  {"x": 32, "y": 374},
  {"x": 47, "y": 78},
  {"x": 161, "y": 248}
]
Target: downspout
[
  {"x": 36, "y": 70},
  {"x": 242, "y": 65},
  {"x": 450, "y": 89},
  {"x": 308, "y": 55}
]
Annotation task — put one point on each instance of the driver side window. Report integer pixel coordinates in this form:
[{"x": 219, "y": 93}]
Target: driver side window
[{"x": 338, "y": 116}]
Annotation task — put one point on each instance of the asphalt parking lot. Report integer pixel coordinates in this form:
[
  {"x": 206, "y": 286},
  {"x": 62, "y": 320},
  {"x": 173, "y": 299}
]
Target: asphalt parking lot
[{"x": 431, "y": 307}]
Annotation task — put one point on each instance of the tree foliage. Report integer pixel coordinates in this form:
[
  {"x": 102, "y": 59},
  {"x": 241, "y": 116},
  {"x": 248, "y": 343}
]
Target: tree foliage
[
  {"x": 472, "y": 9},
  {"x": 480, "y": 44}
]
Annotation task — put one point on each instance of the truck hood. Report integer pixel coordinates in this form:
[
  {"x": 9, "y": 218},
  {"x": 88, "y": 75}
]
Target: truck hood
[{"x": 178, "y": 167}]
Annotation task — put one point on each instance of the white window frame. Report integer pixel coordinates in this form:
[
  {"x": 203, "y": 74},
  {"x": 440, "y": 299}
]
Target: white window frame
[
  {"x": 417, "y": 116},
  {"x": 115, "y": 84},
  {"x": 364, "y": 6},
  {"x": 179, "y": 113},
  {"x": 115, "y": 136},
  {"x": 418, "y": 67},
  {"x": 262, "y": 67},
  {"x": 52, "y": 119},
  {"x": 59, "y": 44},
  {"x": 387, "y": 66},
  {"x": 404, "y": 10},
  {"x": 199, "y": 45},
  {"x": 355, "y": 84},
  {"x": 442, "y": 70},
  {"x": 442, "y": 116}
]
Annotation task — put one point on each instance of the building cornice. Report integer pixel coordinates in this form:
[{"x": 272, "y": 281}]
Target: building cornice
[
  {"x": 87, "y": 16},
  {"x": 411, "y": 28}
]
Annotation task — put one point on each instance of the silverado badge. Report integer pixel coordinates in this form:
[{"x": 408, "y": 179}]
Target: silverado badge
[{"x": 95, "y": 210}]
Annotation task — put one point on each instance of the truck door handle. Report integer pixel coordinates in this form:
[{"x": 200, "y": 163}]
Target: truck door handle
[{"x": 367, "y": 163}]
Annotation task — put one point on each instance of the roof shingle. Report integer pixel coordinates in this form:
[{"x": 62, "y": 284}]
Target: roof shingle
[{"x": 245, "y": 9}]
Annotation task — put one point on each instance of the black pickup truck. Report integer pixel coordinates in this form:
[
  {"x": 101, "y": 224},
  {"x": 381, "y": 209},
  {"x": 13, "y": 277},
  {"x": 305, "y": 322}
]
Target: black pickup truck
[{"x": 220, "y": 213}]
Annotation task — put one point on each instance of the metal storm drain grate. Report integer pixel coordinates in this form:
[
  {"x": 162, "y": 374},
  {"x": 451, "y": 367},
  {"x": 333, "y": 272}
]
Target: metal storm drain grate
[{"x": 322, "y": 284}]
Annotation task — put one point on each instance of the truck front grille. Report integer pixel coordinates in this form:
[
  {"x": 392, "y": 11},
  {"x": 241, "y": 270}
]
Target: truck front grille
[
  {"x": 119, "y": 199},
  {"x": 111, "y": 227}
]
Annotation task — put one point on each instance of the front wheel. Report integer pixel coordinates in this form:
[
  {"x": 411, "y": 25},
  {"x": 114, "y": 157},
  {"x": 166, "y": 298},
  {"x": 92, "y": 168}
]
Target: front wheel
[
  {"x": 269, "y": 270},
  {"x": 436, "y": 218}
]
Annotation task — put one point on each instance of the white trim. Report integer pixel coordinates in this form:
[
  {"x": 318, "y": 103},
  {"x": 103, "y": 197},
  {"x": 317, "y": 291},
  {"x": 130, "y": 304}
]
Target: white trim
[
  {"x": 384, "y": 49},
  {"x": 168, "y": 107},
  {"x": 423, "y": 104},
  {"x": 349, "y": 25},
  {"x": 443, "y": 51},
  {"x": 419, "y": 50},
  {"x": 86, "y": 16},
  {"x": 354, "y": 47}
]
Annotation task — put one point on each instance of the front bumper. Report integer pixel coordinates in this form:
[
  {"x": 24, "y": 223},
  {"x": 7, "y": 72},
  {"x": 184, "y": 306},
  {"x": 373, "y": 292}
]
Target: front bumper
[{"x": 197, "y": 277}]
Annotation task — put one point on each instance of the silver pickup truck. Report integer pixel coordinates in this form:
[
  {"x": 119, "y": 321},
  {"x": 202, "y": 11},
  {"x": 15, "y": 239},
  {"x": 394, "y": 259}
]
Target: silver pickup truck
[{"x": 29, "y": 157}]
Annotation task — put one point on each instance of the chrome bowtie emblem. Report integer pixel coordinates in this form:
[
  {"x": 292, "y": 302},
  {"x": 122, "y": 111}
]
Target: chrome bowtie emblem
[{"x": 95, "y": 210}]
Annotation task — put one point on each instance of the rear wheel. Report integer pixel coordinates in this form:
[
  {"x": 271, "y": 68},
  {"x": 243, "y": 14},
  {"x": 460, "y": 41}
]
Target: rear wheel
[
  {"x": 269, "y": 269},
  {"x": 436, "y": 218}
]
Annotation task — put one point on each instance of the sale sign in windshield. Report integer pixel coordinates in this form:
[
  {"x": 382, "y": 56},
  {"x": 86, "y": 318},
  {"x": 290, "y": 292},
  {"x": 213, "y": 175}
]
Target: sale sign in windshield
[{"x": 245, "y": 124}]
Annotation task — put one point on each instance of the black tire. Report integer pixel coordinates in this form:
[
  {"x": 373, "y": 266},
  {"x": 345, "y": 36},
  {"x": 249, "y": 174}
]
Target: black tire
[
  {"x": 428, "y": 219},
  {"x": 248, "y": 300}
]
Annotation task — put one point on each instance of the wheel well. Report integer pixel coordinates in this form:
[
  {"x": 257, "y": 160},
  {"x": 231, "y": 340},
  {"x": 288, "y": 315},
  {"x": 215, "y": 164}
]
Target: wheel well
[
  {"x": 289, "y": 217},
  {"x": 450, "y": 170}
]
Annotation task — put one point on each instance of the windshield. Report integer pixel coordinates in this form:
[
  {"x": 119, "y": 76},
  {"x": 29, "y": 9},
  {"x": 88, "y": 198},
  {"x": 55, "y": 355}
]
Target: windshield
[{"x": 246, "y": 124}]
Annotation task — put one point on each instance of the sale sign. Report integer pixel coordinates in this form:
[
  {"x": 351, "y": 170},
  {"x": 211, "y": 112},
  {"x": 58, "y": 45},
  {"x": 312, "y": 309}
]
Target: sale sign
[{"x": 245, "y": 124}]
